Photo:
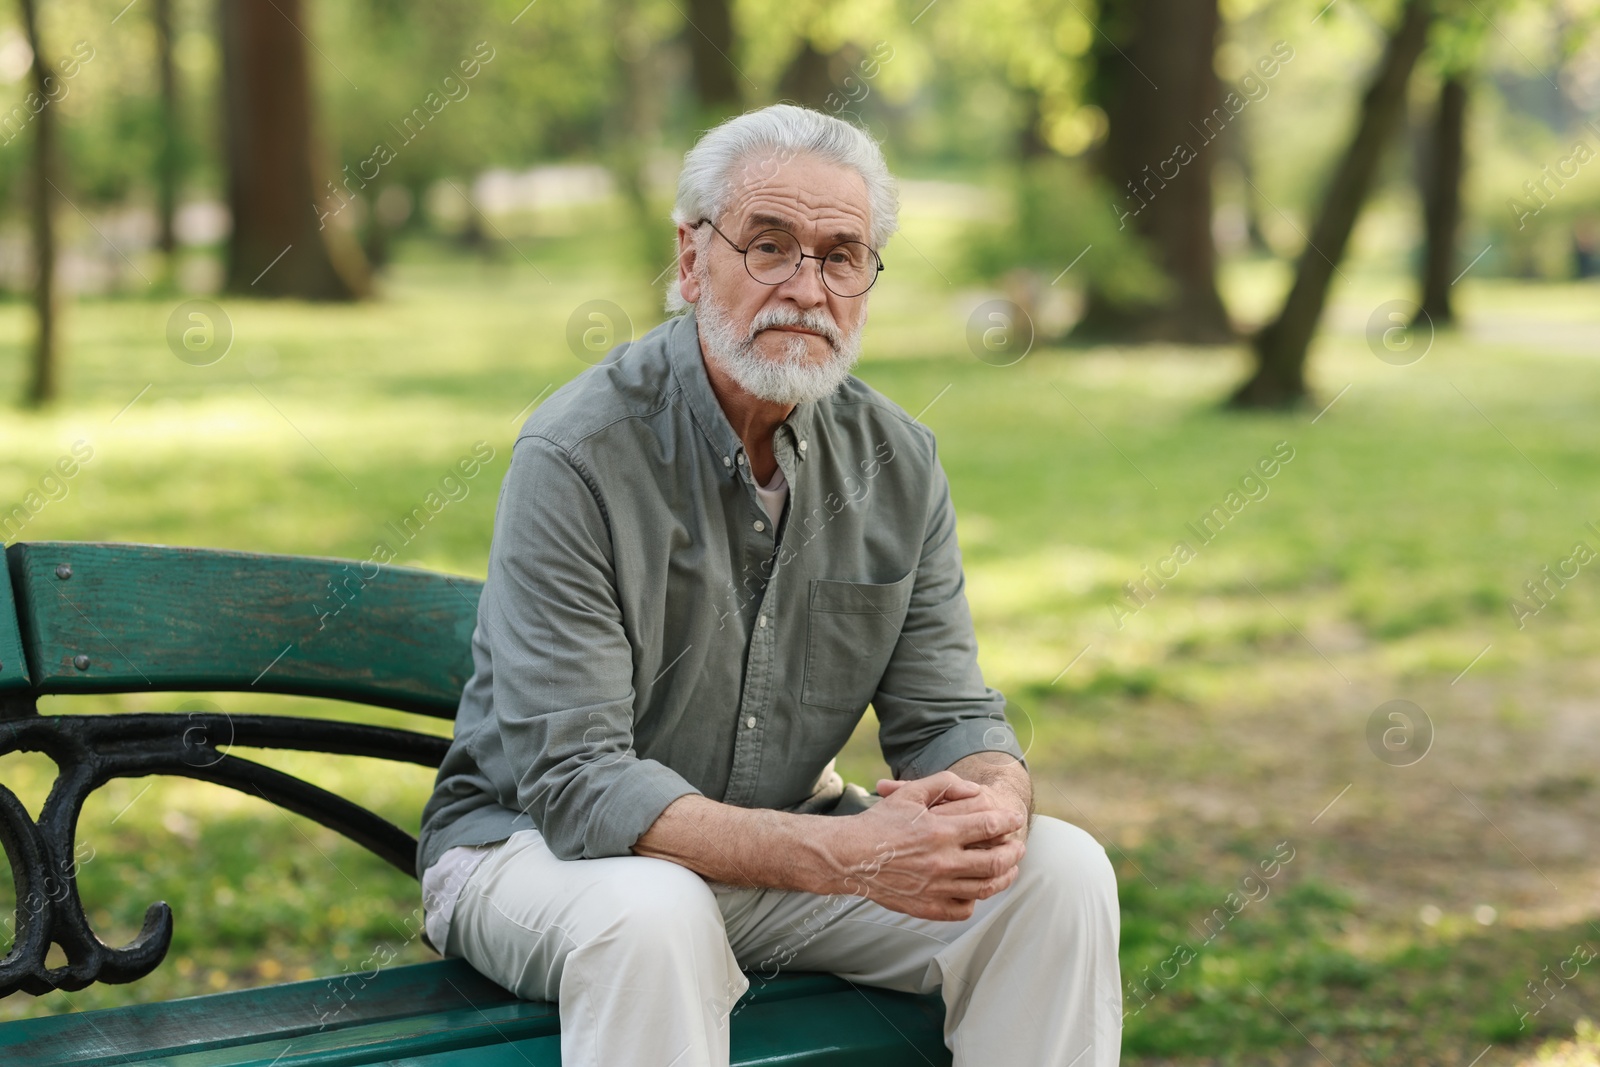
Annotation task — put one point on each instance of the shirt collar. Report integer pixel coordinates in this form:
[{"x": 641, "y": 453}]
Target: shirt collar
[{"x": 688, "y": 367}]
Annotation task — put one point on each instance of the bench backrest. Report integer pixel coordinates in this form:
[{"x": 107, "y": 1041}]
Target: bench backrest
[
  {"x": 120, "y": 618},
  {"x": 127, "y": 618},
  {"x": 13, "y": 667}
]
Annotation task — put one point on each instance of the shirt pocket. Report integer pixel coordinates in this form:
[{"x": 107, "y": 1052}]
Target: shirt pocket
[{"x": 851, "y": 631}]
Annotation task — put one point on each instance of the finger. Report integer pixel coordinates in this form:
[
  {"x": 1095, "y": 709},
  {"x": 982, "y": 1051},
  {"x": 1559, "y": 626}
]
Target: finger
[
  {"x": 982, "y": 863},
  {"x": 937, "y": 788},
  {"x": 957, "y": 909},
  {"x": 957, "y": 794},
  {"x": 942, "y": 909},
  {"x": 953, "y": 787},
  {"x": 993, "y": 842},
  {"x": 939, "y": 908},
  {"x": 888, "y": 785},
  {"x": 986, "y": 825},
  {"x": 984, "y": 888},
  {"x": 983, "y": 801},
  {"x": 978, "y": 804}
]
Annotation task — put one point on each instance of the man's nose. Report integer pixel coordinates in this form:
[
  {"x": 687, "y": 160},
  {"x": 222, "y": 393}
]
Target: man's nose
[{"x": 805, "y": 287}]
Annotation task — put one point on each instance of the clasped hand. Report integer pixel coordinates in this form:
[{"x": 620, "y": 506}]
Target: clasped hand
[{"x": 933, "y": 847}]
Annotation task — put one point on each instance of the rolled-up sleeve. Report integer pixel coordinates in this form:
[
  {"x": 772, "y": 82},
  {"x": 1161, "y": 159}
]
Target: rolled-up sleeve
[
  {"x": 932, "y": 704},
  {"x": 563, "y": 697}
]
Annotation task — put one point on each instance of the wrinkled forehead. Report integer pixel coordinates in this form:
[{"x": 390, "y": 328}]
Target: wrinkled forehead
[{"x": 798, "y": 192}]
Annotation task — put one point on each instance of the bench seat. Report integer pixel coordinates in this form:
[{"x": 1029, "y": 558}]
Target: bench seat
[{"x": 429, "y": 1014}]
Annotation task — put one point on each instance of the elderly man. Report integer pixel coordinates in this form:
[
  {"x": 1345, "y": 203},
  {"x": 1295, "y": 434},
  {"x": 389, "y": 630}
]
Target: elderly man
[{"x": 711, "y": 553}]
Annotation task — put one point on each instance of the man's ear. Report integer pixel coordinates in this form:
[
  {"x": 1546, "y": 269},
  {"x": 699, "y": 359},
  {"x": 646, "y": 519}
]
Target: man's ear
[{"x": 688, "y": 283}]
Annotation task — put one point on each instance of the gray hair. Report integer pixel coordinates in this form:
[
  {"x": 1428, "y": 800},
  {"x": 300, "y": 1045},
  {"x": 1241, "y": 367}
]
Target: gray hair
[{"x": 763, "y": 140}]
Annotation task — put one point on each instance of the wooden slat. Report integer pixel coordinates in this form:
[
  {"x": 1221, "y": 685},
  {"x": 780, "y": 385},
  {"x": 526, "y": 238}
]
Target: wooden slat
[
  {"x": 859, "y": 1027},
  {"x": 428, "y": 1013},
  {"x": 281, "y": 1013},
  {"x": 445, "y": 1033},
  {"x": 13, "y": 667},
  {"x": 153, "y": 617},
  {"x": 865, "y": 1028}
]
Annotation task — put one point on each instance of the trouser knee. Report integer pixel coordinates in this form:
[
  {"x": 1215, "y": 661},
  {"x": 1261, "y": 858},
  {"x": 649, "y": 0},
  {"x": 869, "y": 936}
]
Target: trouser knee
[{"x": 1065, "y": 865}]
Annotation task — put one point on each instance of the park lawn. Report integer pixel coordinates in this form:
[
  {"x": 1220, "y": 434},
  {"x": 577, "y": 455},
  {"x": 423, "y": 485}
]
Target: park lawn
[{"x": 1223, "y": 719}]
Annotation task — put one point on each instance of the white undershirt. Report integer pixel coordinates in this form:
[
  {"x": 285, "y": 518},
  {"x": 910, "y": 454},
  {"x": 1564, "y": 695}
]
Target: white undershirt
[
  {"x": 773, "y": 494},
  {"x": 441, "y": 883}
]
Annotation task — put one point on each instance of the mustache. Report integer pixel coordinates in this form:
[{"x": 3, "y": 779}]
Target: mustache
[{"x": 812, "y": 319}]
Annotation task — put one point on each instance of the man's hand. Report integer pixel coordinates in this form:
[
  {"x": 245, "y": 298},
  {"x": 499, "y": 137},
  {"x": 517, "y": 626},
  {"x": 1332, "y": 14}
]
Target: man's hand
[
  {"x": 932, "y": 847},
  {"x": 981, "y": 796},
  {"x": 1004, "y": 782}
]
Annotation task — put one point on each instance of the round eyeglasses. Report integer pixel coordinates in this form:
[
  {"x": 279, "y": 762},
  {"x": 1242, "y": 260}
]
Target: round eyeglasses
[{"x": 773, "y": 257}]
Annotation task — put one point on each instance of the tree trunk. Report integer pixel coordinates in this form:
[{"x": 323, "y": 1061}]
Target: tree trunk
[
  {"x": 281, "y": 245},
  {"x": 1155, "y": 80},
  {"x": 632, "y": 126},
  {"x": 807, "y": 79},
  {"x": 169, "y": 159},
  {"x": 1281, "y": 346},
  {"x": 1031, "y": 143},
  {"x": 1441, "y": 196},
  {"x": 42, "y": 379},
  {"x": 1239, "y": 148},
  {"x": 710, "y": 36}
]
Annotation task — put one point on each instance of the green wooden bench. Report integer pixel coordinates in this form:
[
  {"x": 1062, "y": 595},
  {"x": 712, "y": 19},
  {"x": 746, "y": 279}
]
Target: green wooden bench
[{"x": 127, "y": 618}]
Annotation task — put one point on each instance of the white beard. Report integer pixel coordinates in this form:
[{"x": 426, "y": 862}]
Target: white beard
[{"x": 793, "y": 377}]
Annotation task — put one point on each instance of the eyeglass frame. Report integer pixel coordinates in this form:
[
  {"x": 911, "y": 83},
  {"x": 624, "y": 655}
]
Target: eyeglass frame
[{"x": 744, "y": 254}]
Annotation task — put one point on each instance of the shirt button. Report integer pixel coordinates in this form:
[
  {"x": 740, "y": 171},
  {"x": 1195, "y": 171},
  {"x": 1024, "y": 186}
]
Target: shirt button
[
  {"x": 759, "y": 525},
  {"x": 741, "y": 459},
  {"x": 750, "y": 722},
  {"x": 762, "y": 622},
  {"x": 802, "y": 446},
  {"x": 726, "y": 462}
]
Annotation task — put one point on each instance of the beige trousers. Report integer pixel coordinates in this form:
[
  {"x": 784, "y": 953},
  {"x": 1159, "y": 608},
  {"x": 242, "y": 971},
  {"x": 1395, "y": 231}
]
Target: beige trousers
[{"x": 643, "y": 956}]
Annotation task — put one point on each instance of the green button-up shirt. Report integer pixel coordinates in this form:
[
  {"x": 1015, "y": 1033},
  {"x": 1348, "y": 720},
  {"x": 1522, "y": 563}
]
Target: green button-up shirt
[{"x": 644, "y": 632}]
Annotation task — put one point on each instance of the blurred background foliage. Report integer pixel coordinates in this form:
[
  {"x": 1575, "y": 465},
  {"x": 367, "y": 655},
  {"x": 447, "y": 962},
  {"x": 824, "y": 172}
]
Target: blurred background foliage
[{"x": 1011, "y": 95}]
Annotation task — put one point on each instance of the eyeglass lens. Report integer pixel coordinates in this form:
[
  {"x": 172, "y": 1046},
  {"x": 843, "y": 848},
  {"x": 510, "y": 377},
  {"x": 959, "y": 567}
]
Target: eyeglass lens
[{"x": 848, "y": 268}]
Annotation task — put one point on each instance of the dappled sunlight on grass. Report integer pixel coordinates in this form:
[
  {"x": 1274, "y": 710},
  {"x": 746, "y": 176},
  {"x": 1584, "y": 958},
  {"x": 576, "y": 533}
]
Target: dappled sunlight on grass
[{"x": 1582, "y": 1051}]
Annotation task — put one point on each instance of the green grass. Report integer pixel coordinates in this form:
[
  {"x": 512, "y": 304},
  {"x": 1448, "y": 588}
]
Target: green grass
[
  {"x": 1283, "y": 966},
  {"x": 1212, "y": 723}
]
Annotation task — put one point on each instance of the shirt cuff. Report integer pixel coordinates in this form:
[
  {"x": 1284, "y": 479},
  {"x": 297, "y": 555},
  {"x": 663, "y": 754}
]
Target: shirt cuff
[
  {"x": 961, "y": 740},
  {"x": 632, "y": 801}
]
